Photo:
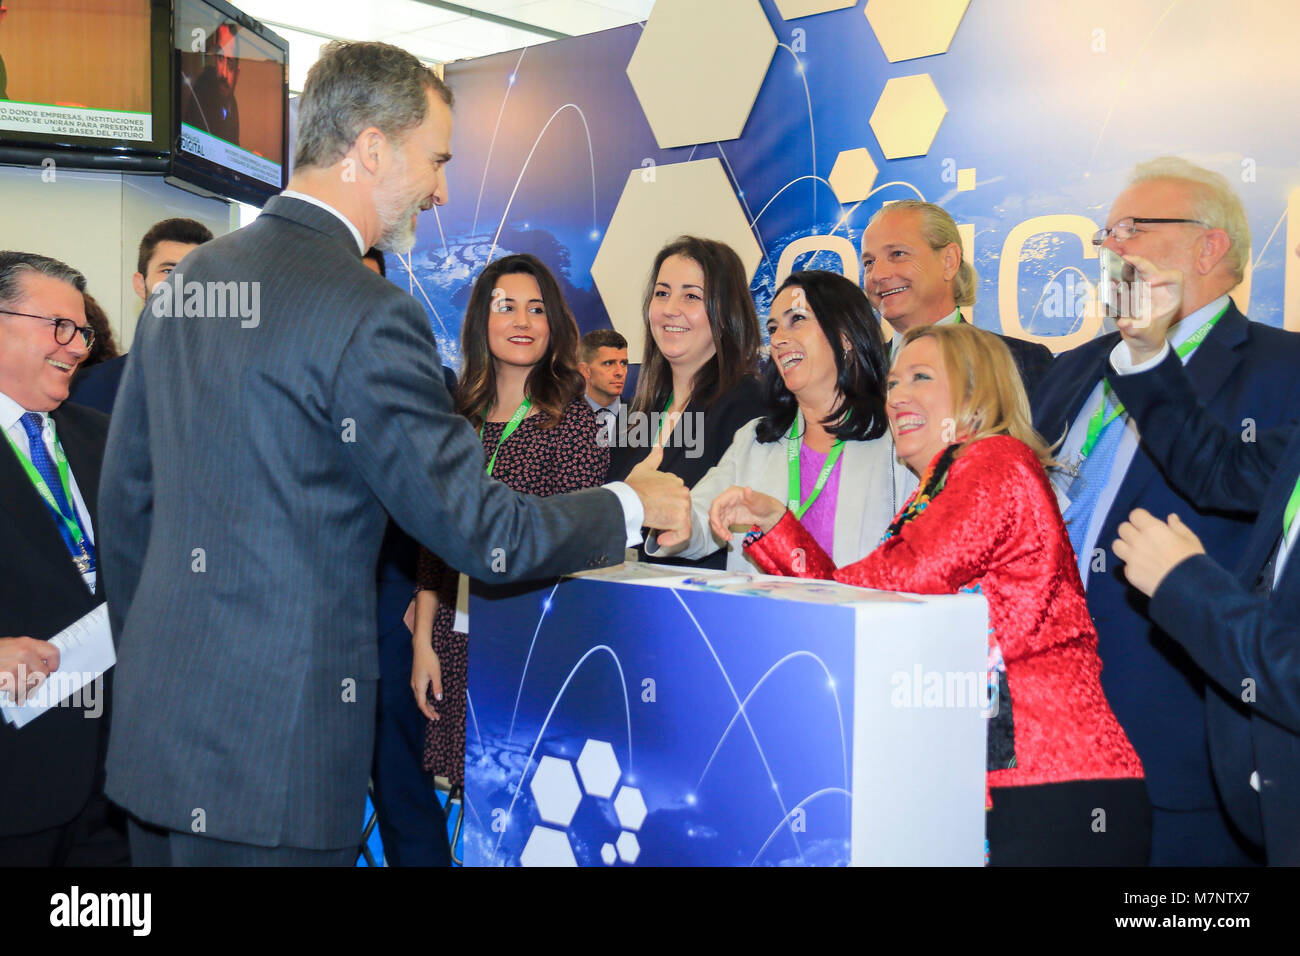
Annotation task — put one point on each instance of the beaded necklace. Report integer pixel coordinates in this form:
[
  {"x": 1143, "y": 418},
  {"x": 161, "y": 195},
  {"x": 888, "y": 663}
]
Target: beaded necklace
[{"x": 932, "y": 483}]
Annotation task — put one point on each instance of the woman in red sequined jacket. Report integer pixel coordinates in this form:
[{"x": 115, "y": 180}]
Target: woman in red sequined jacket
[{"x": 1065, "y": 783}]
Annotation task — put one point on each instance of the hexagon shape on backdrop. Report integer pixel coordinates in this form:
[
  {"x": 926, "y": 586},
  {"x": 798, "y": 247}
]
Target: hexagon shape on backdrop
[
  {"x": 630, "y": 807},
  {"x": 853, "y": 175},
  {"x": 629, "y": 848},
  {"x": 608, "y": 855},
  {"x": 555, "y": 789},
  {"x": 547, "y": 847},
  {"x": 598, "y": 768},
  {"x": 907, "y": 29},
  {"x": 658, "y": 204},
  {"x": 794, "y": 9},
  {"x": 698, "y": 67},
  {"x": 907, "y": 116}
]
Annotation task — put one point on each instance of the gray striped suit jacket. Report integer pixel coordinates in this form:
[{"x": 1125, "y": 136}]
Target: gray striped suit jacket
[{"x": 250, "y": 463}]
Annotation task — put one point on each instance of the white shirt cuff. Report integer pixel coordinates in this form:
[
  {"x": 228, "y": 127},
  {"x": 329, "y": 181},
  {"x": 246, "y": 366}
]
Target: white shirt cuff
[
  {"x": 1122, "y": 362},
  {"x": 633, "y": 512}
]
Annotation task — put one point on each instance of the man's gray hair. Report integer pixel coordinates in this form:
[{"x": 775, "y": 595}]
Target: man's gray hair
[
  {"x": 14, "y": 265},
  {"x": 354, "y": 86},
  {"x": 1212, "y": 202}
]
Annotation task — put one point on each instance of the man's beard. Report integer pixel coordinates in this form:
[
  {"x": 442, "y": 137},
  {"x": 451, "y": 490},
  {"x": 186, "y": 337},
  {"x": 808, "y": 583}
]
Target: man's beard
[{"x": 397, "y": 221}]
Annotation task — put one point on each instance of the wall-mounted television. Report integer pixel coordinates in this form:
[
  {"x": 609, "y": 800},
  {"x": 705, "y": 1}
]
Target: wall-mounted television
[
  {"x": 86, "y": 83},
  {"x": 230, "y": 90}
]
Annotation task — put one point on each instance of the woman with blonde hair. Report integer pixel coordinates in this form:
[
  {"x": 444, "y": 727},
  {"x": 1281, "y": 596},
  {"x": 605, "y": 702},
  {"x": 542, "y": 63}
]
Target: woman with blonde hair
[{"x": 985, "y": 519}]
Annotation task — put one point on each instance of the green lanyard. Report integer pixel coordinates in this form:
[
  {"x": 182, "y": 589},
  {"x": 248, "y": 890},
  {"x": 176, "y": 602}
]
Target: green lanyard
[
  {"x": 511, "y": 425},
  {"x": 1292, "y": 505},
  {"x": 1099, "y": 420},
  {"x": 792, "y": 447},
  {"x": 663, "y": 417},
  {"x": 74, "y": 526}
]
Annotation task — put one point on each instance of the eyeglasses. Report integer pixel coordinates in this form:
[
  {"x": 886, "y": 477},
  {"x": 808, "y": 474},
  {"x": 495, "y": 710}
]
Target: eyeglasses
[
  {"x": 64, "y": 329},
  {"x": 1126, "y": 229}
]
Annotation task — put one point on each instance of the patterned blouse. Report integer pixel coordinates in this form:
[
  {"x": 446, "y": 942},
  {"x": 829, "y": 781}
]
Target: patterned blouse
[{"x": 536, "y": 461}]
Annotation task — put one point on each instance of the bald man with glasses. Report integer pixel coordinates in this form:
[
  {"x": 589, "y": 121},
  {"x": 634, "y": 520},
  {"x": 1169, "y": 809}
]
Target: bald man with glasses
[
  {"x": 52, "y": 807},
  {"x": 1181, "y": 217}
]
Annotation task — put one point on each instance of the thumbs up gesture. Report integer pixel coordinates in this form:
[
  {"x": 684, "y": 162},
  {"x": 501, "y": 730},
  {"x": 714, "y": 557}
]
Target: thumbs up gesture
[{"x": 664, "y": 497}]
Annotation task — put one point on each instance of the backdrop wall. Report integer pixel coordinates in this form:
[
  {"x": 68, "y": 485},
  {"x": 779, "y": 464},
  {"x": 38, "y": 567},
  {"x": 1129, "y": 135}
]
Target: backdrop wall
[{"x": 784, "y": 133}]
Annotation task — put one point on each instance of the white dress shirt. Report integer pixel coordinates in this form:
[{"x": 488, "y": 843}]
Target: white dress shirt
[
  {"x": 1128, "y": 444},
  {"x": 896, "y": 343},
  {"x": 11, "y": 414},
  {"x": 356, "y": 233}
]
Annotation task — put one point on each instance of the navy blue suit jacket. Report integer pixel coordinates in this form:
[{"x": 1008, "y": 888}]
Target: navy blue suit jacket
[
  {"x": 96, "y": 387},
  {"x": 1240, "y": 630},
  {"x": 1242, "y": 370}
]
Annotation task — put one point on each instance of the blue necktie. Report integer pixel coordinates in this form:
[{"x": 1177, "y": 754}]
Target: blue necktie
[
  {"x": 1088, "y": 485},
  {"x": 33, "y": 425}
]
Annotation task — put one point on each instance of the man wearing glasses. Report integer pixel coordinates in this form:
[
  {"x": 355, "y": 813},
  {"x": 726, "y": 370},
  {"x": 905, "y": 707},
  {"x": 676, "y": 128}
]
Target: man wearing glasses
[
  {"x": 52, "y": 808},
  {"x": 1177, "y": 216}
]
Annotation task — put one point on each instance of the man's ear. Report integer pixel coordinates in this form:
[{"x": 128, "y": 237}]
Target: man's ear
[
  {"x": 137, "y": 283},
  {"x": 371, "y": 145},
  {"x": 951, "y": 256},
  {"x": 1214, "y": 245},
  {"x": 585, "y": 369}
]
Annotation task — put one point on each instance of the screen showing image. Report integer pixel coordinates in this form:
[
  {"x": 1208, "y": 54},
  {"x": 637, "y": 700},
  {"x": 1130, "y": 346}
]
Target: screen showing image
[
  {"x": 231, "y": 86},
  {"x": 76, "y": 69}
]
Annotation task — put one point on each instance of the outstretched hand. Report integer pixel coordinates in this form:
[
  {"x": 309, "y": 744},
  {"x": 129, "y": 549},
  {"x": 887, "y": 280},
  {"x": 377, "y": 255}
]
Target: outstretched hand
[
  {"x": 664, "y": 497},
  {"x": 745, "y": 507}
]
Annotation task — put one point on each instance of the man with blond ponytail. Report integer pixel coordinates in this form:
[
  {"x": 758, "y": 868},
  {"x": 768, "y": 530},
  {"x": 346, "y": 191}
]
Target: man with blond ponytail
[{"x": 915, "y": 273}]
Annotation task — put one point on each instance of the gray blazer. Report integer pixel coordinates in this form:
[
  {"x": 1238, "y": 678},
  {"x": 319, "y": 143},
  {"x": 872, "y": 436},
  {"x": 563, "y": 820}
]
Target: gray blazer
[
  {"x": 251, "y": 465},
  {"x": 871, "y": 491}
]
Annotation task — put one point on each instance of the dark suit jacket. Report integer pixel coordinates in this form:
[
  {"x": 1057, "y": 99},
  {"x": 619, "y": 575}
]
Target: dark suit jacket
[
  {"x": 49, "y": 768},
  {"x": 721, "y": 421},
  {"x": 1241, "y": 631},
  {"x": 1032, "y": 359},
  {"x": 96, "y": 387},
  {"x": 1241, "y": 370},
  {"x": 252, "y": 465}
]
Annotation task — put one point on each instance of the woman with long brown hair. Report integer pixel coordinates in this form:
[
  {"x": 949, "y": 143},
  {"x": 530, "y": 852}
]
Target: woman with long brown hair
[
  {"x": 697, "y": 384},
  {"x": 521, "y": 388}
]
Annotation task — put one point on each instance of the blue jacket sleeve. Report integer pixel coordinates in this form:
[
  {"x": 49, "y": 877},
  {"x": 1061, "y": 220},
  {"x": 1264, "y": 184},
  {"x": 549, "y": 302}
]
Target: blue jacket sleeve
[{"x": 1215, "y": 466}]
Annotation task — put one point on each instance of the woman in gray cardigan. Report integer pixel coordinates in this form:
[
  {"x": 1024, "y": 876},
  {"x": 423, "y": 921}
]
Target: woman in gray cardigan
[{"x": 824, "y": 445}]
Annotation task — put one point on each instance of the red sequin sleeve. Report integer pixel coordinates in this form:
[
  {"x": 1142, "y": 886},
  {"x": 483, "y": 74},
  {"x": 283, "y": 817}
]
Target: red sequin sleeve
[{"x": 951, "y": 543}]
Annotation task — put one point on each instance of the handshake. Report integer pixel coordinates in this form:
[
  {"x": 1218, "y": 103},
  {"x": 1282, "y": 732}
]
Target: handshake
[{"x": 664, "y": 497}]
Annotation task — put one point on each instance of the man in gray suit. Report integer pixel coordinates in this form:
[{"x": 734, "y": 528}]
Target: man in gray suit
[{"x": 280, "y": 398}]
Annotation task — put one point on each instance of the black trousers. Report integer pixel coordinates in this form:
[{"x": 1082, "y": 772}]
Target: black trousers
[
  {"x": 94, "y": 837},
  {"x": 1078, "y": 823}
]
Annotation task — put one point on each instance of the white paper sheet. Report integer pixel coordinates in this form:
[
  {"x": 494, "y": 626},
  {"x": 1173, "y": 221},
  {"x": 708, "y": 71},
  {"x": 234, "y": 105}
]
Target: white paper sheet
[{"x": 85, "y": 652}]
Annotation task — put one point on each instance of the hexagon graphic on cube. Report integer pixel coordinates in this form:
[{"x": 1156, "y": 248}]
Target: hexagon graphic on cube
[
  {"x": 794, "y": 9},
  {"x": 555, "y": 789},
  {"x": 630, "y": 807},
  {"x": 658, "y": 204},
  {"x": 853, "y": 175},
  {"x": 547, "y": 847},
  {"x": 907, "y": 116},
  {"x": 698, "y": 67},
  {"x": 628, "y": 847},
  {"x": 598, "y": 768},
  {"x": 908, "y": 29}
]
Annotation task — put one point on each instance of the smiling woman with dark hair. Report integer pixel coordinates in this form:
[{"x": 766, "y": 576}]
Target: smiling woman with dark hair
[
  {"x": 823, "y": 446},
  {"x": 697, "y": 384},
  {"x": 521, "y": 388}
]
